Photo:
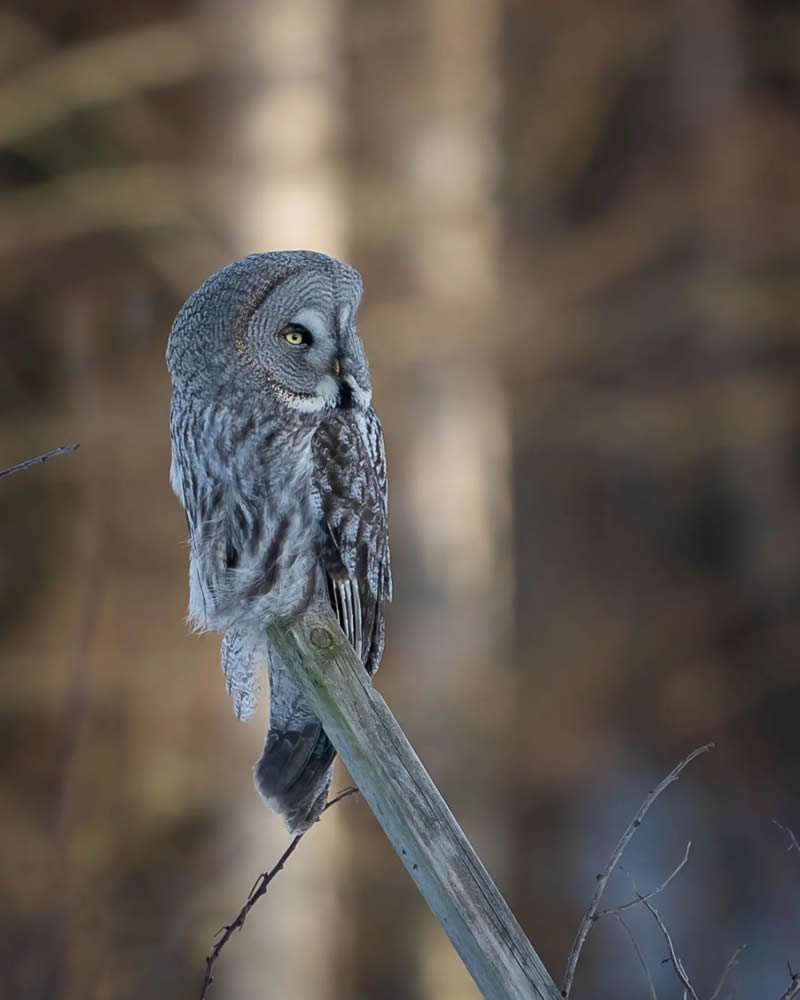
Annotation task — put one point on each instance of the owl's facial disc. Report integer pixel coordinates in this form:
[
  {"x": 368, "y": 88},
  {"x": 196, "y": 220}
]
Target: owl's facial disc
[
  {"x": 301, "y": 341},
  {"x": 314, "y": 361},
  {"x": 294, "y": 351},
  {"x": 316, "y": 373}
]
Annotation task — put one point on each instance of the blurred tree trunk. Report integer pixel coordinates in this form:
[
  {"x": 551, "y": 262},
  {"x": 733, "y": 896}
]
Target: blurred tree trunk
[
  {"x": 286, "y": 129},
  {"x": 429, "y": 126}
]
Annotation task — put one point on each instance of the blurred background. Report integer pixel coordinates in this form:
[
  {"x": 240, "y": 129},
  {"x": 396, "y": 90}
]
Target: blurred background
[{"x": 579, "y": 230}]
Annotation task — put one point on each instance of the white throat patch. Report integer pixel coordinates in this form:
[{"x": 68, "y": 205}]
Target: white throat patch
[{"x": 324, "y": 398}]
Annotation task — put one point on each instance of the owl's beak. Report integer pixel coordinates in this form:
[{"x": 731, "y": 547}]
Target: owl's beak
[{"x": 337, "y": 368}]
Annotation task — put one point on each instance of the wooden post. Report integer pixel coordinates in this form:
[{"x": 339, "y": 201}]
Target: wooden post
[{"x": 413, "y": 814}]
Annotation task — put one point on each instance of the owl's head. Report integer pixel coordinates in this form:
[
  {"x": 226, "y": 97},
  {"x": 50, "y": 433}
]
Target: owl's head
[{"x": 281, "y": 323}]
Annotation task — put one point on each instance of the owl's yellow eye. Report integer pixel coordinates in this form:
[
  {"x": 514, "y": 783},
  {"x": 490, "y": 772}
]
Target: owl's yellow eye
[{"x": 294, "y": 337}]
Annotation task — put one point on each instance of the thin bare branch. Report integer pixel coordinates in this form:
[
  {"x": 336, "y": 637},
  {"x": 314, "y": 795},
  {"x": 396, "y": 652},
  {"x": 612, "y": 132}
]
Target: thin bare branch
[
  {"x": 29, "y": 462},
  {"x": 259, "y": 889},
  {"x": 793, "y": 989},
  {"x": 677, "y": 964},
  {"x": 635, "y": 902},
  {"x": 733, "y": 961},
  {"x": 613, "y": 861},
  {"x": 793, "y": 844},
  {"x": 650, "y": 984}
]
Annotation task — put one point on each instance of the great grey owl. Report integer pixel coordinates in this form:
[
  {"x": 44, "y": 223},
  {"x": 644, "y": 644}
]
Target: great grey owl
[{"x": 278, "y": 460}]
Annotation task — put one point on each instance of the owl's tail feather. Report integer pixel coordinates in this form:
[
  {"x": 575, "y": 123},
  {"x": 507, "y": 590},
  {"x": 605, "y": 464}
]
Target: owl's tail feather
[{"x": 294, "y": 774}]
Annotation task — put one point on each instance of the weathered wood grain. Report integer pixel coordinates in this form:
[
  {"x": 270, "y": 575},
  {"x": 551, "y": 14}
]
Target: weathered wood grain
[{"x": 413, "y": 814}]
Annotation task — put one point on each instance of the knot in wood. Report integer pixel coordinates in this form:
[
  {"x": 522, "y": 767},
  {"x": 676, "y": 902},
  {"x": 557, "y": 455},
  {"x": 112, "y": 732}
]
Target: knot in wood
[{"x": 320, "y": 638}]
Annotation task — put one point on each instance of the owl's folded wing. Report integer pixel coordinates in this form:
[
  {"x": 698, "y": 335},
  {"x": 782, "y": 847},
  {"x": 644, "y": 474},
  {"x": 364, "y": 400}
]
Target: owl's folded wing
[{"x": 350, "y": 478}]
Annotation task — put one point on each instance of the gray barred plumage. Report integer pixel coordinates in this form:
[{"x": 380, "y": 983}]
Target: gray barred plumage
[{"x": 278, "y": 460}]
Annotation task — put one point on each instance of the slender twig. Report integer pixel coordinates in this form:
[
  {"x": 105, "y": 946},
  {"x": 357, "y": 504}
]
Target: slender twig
[
  {"x": 793, "y": 989},
  {"x": 654, "y": 892},
  {"x": 616, "y": 912},
  {"x": 733, "y": 961},
  {"x": 602, "y": 879},
  {"x": 677, "y": 964},
  {"x": 259, "y": 889},
  {"x": 650, "y": 984},
  {"x": 793, "y": 844},
  {"x": 29, "y": 462}
]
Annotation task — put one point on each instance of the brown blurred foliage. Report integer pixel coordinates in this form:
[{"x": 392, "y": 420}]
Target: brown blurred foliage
[{"x": 579, "y": 230}]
